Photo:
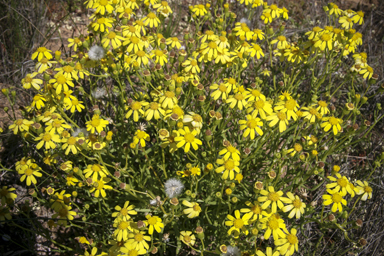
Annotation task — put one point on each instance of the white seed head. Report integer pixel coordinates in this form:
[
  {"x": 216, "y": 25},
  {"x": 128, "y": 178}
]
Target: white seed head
[
  {"x": 232, "y": 251},
  {"x": 99, "y": 93},
  {"x": 173, "y": 187},
  {"x": 79, "y": 130},
  {"x": 96, "y": 52}
]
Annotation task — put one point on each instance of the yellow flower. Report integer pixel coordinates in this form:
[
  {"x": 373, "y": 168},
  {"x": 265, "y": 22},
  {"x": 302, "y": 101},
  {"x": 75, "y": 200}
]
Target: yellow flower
[
  {"x": 288, "y": 245},
  {"x": 70, "y": 144},
  {"x": 195, "y": 171},
  {"x": 290, "y": 107},
  {"x": 103, "y": 5},
  {"x": 296, "y": 149},
  {"x": 199, "y": 10},
  {"x": 64, "y": 214},
  {"x": 322, "y": 108},
  {"x": 138, "y": 240},
  {"x": 4, "y": 213},
  {"x": 295, "y": 205},
  {"x": 222, "y": 91},
  {"x": 101, "y": 24},
  {"x": 255, "y": 210},
  {"x": 74, "y": 105},
  {"x": 331, "y": 122},
  {"x": 281, "y": 42},
  {"x": 271, "y": 197},
  {"x": 113, "y": 38},
  {"x": 57, "y": 125},
  {"x": 83, "y": 240},
  {"x": 170, "y": 141},
  {"x": 238, "y": 223},
  {"x": 187, "y": 237},
  {"x": 168, "y": 99},
  {"x": 346, "y": 22},
  {"x": 268, "y": 252},
  {"x": 310, "y": 113},
  {"x": 43, "y": 65},
  {"x": 141, "y": 136},
  {"x": 251, "y": 126},
  {"x": 153, "y": 111},
  {"x": 230, "y": 152},
  {"x": 191, "y": 65},
  {"x": 99, "y": 186},
  {"x": 237, "y": 100},
  {"x": 266, "y": 17},
  {"x": 152, "y": 20},
  {"x": 124, "y": 212},
  {"x": 71, "y": 180},
  {"x": 278, "y": 117},
  {"x": 162, "y": 6},
  {"x": 187, "y": 138},
  {"x": 48, "y": 138},
  {"x": 154, "y": 223},
  {"x": 60, "y": 82},
  {"x": 195, "y": 119},
  {"x": 193, "y": 210},
  {"x": 95, "y": 170},
  {"x": 274, "y": 10},
  {"x": 123, "y": 228},
  {"x": 359, "y": 17},
  {"x": 161, "y": 56},
  {"x": 20, "y": 125},
  {"x": 274, "y": 226},
  {"x": 228, "y": 167},
  {"x": 29, "y": 81},
  {"x": 6, "y": 195},
  {"x": 75, "y": 42},
  {"x": 335, "y": 198},
  {"x": 365, "y": 190},
  {"x": 366, "y": 71},
  {"x": 42, "y": 52},
  {"x": 174, "y": 42},
  {"x": 96, "y": 124},
  {"x": 136, "y": 108},
  {"x": 30, "y": 174},
  {"x": 324, "y": 41},
  {"x": 341, "y": 183},
  {"x": 256, "y": 50}
]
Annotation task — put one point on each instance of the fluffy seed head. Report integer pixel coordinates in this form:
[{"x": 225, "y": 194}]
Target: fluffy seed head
[
  {"x": 96, "y": 52},
  {"x": 232, "y": 251},
  {"x": 173, "y": 187}
]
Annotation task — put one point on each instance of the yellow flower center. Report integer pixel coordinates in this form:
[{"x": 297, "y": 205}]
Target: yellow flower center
[
  {"x": 212, "y": 45},
  {"x": 135, "y": 40},
  {"x": 333, "y": 120},
  {"x": 175, "y": 39},
  {"x": 369, "y": 69},
  {"x": 151, "y": 15},
  {"x": 95, "y": 122},
  {"x": 297, "y": 147},
  {"x": 47, "y": 137},
  {"x": 316, "y": 29},
  {"x": 96, "y": 168},
  {"x": 193, "y": 63},
  {"x": 75, "y": 102},
  {"x": 141, "y": 134},
  {"x": 256, "y": 93},
  {"x": 273, "y": 196},
  {"x": 313, "y": 111},
  {"x": 103, "y": 2},
  {"x": 297, "y": 203},
  {"x": 178, "y": 111},
  {"x": 124, "y": 212},
  {"x": 101, "y": 20},
  {"x": 231, "y": 149},
  {"x": 41, "y": 49},
  {"x": 29, "y": 172},
  {"x": 68, "y": 69},
  {"x": 336, "y": 198},
  {"x": 256, "y": 209},
  {"x": 139, "y": 237},
  {"x": 238, "y": 223},
  {"x": 273, "y": 7},
  {"x": 292, "y": 239},
  {"x": 189, "y": 137},
  {"x": 197, "y": 208},
  {"x": 197, "y": 118},
  {"x": 281, "y": 115},
  {"x": 290, "y": 104},
  {"x": 159, "y": 53},
  {"x": 187, "y": 239},
  {"x": 239, "y": 96},
  {"x": 136, "y": 106},
  {"x": 231, "y": 81},
  {"x": 71, "y": 141},
  {"x": 61, "y": 79},
  {"x": 133, "y": 252},
  {"x": 273, "y": 224},
  {"x": 100, "y": 184},
  {"x": 111, "y": 35},
  {"x": 200, "y": 6},
  {"x": 169, "y": 94},
  {"x": 63, "y": 212},
  {"x": 123, "y": 225},
  {"x": 342, "y": 182},
  {"x": 56, "y": 123},
  {"x": 28, "y": 79},
  {"x": 140, "y": 54},
  {"x": 19, "y": 122},
  {"x": 367, "y": 189},
  {"x": 223, "y": 39},
  {"x": 251, "y": 123},
  {"x": 154, "y": 106},
  {"x": 139, "y": 23},
  {"x": 152, "y": 221},
  {"x": 222, "y": 88},
  {"x": 229, "y": 164},
  {"x": 132, "y": 29},
  {"x": 322, "y": 104},
  {"x": 326, "y": 37}
]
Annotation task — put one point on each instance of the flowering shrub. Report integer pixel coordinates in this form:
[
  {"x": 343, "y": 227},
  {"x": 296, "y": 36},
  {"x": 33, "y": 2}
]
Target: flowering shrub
[{"x": 212, "y": 141}]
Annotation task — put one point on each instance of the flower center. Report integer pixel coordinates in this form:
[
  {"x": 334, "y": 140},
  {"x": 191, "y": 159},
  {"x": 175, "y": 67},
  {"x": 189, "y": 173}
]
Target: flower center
[
  {"x": 336, "y": 198},
  {"x": 61, "y": 79},
  {"x": 251, "y": 123},
  {"x": 111, "y": 35},
  {"x": 152, "y": 221},
  {"x": 312, "y": 111},
  {"x": 367, "y": 189},
  {"x": 342, "y": 182},
  {"x": 103, "y": 2},
  {"x": 140, "y": 53},
  {"x": 193, "y": 63},
  {"x": 169, "y": 94},
  {"x": 41, "y": 49},
  {"x": 189, "y": 137},
  {"x": 292, "y": 239},
  {"x": 68, "y": 69},
  {"x": 325, "y": 37},
  {"x": 187, "y": 239},
  {"x": 296, "y": 203},
  {"x": 229, "y": 164},
  {"x": 101, "y": 20},
  {"x": 239, "y": 96},
  {"x": 197, "y": 118},
  {"x": 124, "y": 212},
  {"x": 19, "y": 122},
  {"x": 256, "y": 209},
  {"x": 273, "y": 224},
  {"x": 123, "y": 225},
  {"x": 282, "y": 116},
  {"x": 95, "y": 122},
  {"x": 154, "y": 106},
  {"x": 273, "y": 196},
  {"x": 212, "y": 45},
  {"x": 322, "y": 104},
  {"x": 28, "y": 172},
  {"x": 96, "y": 168},
  {"x": 197, "y": 208},
  {"x": 297, "y": 147},
  {"x": 56, "y": 124},
  {"x": 290, "y": 104},
  {"x": 151, "y": 15},
  {"x": 28, "y": 79},
  {"x": 238, "y": 223},
  {"x": 47, "y": 137},
  {"x": 71, "y": 141},
  {"x": 273, "y": 7},
  {"x": 63, "y": 212},
  {"x": 136, "y": 105},
  {"x": 141, "y": 135},
  {"x": 139, "y": 237},
  {"x": 333, "y": 121},
  {"x": 159, "y": 53},
  {"x": 231, "y": 81},
  {"x": 222, "y": 88},
  {"x": 231, "y": 149}
]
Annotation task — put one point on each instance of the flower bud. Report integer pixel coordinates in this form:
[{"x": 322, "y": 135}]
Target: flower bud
[
  {"x": 200, "y": 232},
  {"x": 234, "y": 199}
]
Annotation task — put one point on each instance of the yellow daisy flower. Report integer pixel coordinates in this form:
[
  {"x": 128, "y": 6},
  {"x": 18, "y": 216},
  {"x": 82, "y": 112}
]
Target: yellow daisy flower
[
  {"x": 251, "y": 126},
  {"x": 141, "y": 137},
  {"x": 199, "y": 10},
  {"x": 96, "y": 124},
  {"x": 278, "y": 117},
  {"x": 331, "y": 122},
  {"x": 288, "y": 245},
  {"x": 268, "y": 252},
  {"x": 187, "y": 237},
  {"x": 365, "y": 190},
  {"x": 20, "y": 125},
  {"x": 154, "y": 223},
  {"x": 295, "y": 205},
  {"x": 124, "y": 212},
  {"x": 95, "y": 170},
  {"x": 138, "y": 240},
  {"x": 193, "y": 210},
  {"x": 187, "y": 138},
  {"x": 6, "y": 195},
  {"x": 274, "y": 226},
  {"x": 255, "y": 210},
  {"x": 238, "y": 223},
  {"x": 48, "y": 138},
  {"x": 30, "y": 174},
  {"x": 100, "y": 187},
  {"x": 335, "y": 198},
  {"x": 29, "y": 81},
  {"x": 270, "y": 197},
  {"x": 42, "y": 52},
  {"x": 228, "y": 168}
]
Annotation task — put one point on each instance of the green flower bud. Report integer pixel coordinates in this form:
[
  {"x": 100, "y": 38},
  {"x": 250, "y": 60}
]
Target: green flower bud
[
  {"x": 188, "y": 192},
  {"x": 218, "y": 194},
  {"x": 234, "y": 199},
  {"x": 193, "y": 195}
]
